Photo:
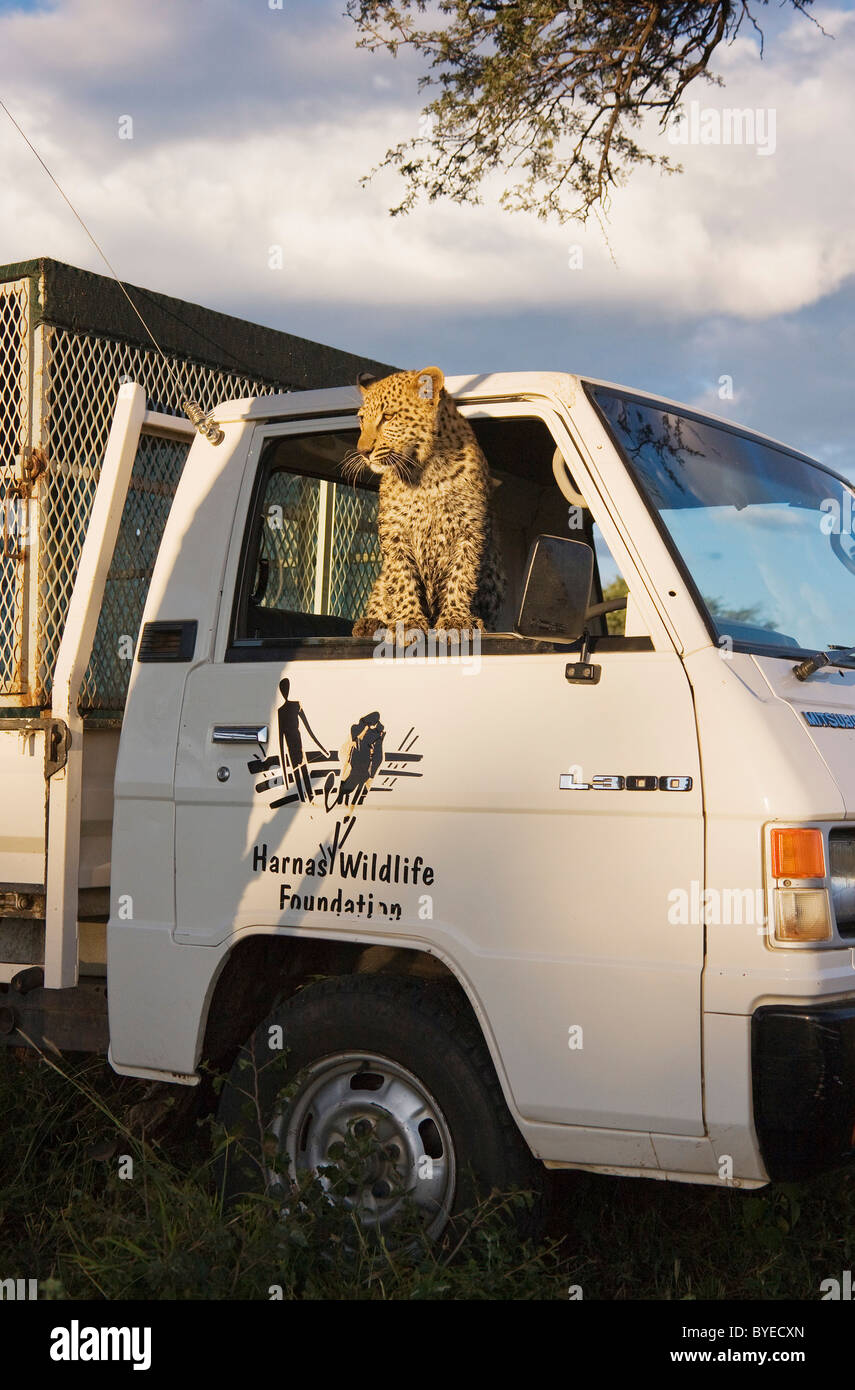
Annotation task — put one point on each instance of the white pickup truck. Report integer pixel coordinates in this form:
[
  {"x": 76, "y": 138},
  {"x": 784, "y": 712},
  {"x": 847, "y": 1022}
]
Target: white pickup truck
[{"x": 553, "y": 894}]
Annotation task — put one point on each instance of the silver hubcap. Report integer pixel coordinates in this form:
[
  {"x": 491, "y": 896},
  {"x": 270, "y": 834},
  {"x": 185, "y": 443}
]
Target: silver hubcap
[{"x": 383, "y": 1127}]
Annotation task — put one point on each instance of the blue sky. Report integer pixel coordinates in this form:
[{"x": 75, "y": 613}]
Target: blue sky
[{"x": 251, "y": 128}]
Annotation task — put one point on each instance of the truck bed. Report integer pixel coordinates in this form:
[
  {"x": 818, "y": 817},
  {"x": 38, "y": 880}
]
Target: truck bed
[{"x": 23, "y": 841}]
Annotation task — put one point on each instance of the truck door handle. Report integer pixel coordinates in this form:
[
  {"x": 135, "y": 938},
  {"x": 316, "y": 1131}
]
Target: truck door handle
[{"x": 241, "y": 733}]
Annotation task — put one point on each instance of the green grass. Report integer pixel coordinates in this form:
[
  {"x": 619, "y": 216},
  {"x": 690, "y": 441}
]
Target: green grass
[{"x": 68, "y": 1218}]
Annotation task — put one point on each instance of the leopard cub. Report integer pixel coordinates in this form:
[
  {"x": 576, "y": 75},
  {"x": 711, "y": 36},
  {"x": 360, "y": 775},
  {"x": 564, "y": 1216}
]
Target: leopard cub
[{"x": 440, "y": 567}]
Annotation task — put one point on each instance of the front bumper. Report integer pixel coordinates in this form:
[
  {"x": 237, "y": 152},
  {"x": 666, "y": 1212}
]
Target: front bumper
[{"x": 803, "y": 1078}]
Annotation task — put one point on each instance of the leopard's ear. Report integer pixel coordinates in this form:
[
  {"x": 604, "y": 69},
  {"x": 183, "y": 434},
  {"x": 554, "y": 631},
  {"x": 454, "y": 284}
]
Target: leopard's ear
[
  {"x": 430, "y": 382},
  {"x": 364, "y": 380}
]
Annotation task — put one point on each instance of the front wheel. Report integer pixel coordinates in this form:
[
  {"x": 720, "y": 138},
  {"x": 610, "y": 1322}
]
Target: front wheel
[{"x": 390, "y": 1081}]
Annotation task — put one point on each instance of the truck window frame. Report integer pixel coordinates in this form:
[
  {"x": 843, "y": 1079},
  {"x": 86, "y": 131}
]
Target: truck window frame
[{"x": 243, "y": 556}]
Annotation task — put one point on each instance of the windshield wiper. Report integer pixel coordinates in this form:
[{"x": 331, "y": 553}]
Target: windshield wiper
[{"x": 804, "y": 669}]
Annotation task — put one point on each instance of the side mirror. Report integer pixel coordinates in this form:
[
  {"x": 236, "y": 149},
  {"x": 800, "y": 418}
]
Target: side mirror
[{"x": 557, "y": 590}]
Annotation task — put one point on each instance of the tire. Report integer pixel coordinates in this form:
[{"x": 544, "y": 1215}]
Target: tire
[{"x": 394, "y": 1060}]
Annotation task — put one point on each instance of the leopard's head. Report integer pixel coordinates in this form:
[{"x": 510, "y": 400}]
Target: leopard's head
[{"x": 398, "y": 421}]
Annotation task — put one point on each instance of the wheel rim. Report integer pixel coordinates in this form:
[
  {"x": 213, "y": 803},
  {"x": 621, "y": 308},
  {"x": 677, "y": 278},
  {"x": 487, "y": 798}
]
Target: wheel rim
[{"x": 384, "y": 1125}]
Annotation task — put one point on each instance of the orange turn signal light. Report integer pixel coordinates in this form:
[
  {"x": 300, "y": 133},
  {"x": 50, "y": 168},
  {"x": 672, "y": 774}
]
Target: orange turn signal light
[{"x": 797, "y": 854}]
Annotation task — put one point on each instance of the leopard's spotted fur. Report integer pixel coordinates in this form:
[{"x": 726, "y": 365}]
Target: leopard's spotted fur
[{"x": 440, "y": 565}]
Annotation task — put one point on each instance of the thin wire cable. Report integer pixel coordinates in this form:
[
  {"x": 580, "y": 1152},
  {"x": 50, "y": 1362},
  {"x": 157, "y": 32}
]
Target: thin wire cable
[{"x": 101, "y": 253}]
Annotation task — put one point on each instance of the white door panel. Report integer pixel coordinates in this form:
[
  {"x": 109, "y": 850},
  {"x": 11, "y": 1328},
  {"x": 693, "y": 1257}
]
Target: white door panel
[{"x": 551, "y": 905}]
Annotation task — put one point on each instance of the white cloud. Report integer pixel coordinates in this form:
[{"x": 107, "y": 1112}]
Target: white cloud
[{"x": 192, "y": 204}]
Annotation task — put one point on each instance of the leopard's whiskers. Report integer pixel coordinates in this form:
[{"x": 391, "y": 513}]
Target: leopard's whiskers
[
  {"x": 352, "y": 465},
  {"x": 406, "y": 468}
]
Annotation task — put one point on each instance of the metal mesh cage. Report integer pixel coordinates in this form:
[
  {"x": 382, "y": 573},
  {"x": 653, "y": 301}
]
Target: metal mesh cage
[
  {"x": 14, "y": 436},
  {"x": 320, "y": 543},
  {"x": 85, "y": 373},
  {"x": 291, "y": 525},
  {"x": 157, "y": 470},
  {"x": 355, "y": 560}
]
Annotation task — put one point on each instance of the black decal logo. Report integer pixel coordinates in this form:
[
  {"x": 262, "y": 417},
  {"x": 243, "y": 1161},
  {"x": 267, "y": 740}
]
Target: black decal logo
[{"x": 316, "y": 775}]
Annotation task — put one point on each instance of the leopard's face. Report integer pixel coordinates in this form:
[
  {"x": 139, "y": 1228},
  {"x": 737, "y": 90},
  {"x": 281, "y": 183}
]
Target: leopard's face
[{"x": 398, "y": 423}]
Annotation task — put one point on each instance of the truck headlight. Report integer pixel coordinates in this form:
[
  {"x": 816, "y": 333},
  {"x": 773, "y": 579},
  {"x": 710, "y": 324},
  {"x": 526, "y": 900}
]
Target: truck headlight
[
  {"x": 801, "y": 914},
  {"x": 802, "y": 911}
]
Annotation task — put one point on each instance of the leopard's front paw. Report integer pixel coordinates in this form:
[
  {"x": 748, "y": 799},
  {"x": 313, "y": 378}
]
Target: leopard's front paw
[
  {"x": 366, "y": 627},
  {"x": 414, "y": 622},
  {"x": 458, "y": 622}
]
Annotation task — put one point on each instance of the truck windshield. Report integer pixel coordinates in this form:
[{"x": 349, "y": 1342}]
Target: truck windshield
[{"x": 766, "y": 536}]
